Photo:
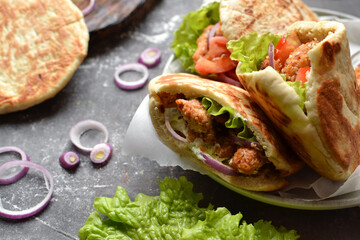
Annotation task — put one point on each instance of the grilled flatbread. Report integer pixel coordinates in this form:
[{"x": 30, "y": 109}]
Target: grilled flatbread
[
  {"x": 240, "y": 17},
  {"x": 327, "y": 134},
  {"x": 166, "y": 90},
  {"x": 42, "y": 44}
]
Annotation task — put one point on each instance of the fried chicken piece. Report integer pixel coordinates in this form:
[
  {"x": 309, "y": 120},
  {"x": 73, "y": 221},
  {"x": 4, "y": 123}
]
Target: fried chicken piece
[
  {"x": 248, "y": 160},
  {"x": 198, "y": 121},
  {"x": 299, "y": 58}
]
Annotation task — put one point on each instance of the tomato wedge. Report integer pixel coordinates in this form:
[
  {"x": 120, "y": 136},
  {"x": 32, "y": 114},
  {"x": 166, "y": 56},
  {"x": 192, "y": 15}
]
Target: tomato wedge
[
  {"x": 301, "y": 75},
  {"x": 217, "y": 59},
  {"x": 218, "y": 65},
  {"x": 284, "y": 47}
]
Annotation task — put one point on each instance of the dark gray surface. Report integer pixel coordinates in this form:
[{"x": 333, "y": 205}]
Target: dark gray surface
[{"x": 42, "y": 132}]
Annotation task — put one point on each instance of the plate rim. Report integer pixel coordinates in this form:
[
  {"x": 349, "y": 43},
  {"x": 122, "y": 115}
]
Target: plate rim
[{"x": 293, "y": 203}]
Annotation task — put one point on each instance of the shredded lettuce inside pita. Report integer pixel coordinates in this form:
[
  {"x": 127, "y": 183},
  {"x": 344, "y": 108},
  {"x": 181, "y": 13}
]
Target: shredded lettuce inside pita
[
  {"x": 235, "y": 121},
  {"x": 251, "y": 50}
]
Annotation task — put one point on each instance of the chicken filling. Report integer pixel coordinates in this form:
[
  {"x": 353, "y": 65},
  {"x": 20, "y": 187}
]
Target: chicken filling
[
  {"x": 296, "y": 60},
  {"x": 189, "y": 118}
]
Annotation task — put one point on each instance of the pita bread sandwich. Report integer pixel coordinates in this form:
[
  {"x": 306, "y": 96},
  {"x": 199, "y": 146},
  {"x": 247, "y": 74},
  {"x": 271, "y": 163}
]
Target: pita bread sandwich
[
  {"x": 306, "y": 84},
  {"x": 42, "y": 44},
  {"x": 200, "y": 41},
  {"x": 221, "y": 129}
]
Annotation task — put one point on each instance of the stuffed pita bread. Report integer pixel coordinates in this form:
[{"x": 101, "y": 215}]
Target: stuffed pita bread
[
  {"x": 219, "y": 127},
  {"x": 200, "y": 42},
  {"x": 321, "y": 117},
  {"x": 42, "y": 45}
]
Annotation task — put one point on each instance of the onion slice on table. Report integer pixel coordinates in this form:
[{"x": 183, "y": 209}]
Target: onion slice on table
[
  {"x": 40, "y": 206},
  {"x": 69, "y": 160},
  {"x": 150, "y": 57},
  {"x": 271, "y": 55},
  {"x": 81, "y": 127},
  {"x": 219, "y": 166},
  {"x": 19, "y": 173},
  {"x": 88, "y": 9},
  {"x": 172, "y": 131},
  {"x": 137, "y": 67},
  {"x": 101, "y": 153}
]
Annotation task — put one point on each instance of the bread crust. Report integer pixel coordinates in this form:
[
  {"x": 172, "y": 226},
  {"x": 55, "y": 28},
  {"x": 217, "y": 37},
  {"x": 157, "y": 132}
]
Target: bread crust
[
  {"x": 327, "y": 137},
  {"x": 242, "y": 17},
  {"x": 42, "y": 45},
  {"x": 191, "y": 86}
]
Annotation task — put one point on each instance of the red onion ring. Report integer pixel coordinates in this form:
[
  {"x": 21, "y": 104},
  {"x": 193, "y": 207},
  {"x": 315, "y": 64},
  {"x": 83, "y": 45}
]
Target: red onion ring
[
  {"x": 172, "y": 131},
  {"x": 137, "y": 67},
  {"x": 219, "y": 166},
  {"x": 245, "y": 143},
  {"x": 81, "y": 127},
  {"x": 211, "y": 33},
  {"x": 271, "y": 55},
  {"x": 150, "y": 57},
  {"x": 229, "y": 80},
  {"x": 69, "y": 160},
  {"x": 101, "y": 153},
  {"x": 89, "y": 8},
  {"x": 37, "y": 208},
  {"x": 22, "y": 171}
]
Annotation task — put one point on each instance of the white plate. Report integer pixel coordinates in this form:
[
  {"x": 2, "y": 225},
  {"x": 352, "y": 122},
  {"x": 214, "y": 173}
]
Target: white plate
[{"x": 173, "y": 65}]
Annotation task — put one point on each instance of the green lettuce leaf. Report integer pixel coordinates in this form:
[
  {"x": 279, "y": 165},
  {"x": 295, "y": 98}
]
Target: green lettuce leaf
[
  {"x": 220, "y": 224},
  {"x": 251, "y": 50},
  {"x": 174, "y": 214},
  {"x": 184, "y": 44},
  {"x": 265, "y": 230},
  {"x": 235, "y": 122},
  {"x": 161, "y": 217},
  {"x": 300, "y": 91}
]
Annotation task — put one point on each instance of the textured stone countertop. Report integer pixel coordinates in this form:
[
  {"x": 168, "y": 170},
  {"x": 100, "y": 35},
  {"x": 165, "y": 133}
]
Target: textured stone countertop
[{"x": 42, "y": 131}]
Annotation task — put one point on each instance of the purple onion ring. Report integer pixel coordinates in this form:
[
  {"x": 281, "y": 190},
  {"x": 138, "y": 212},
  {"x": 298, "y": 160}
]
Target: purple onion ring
[
  {"x": 89, "y": 8},
  {"x": 211, "y": 33},
  {"x": 137, "y": 67},
  {"x": 40, "y": 206},
  {"x": 172, "y": 131},
  {"x": 219, "y": 166},
  {"x": 229, "y": 80},
  {"x": 22, "y": 172},
  {"x": 81, "y": 127},
  {"x": 271, "y": 55}
]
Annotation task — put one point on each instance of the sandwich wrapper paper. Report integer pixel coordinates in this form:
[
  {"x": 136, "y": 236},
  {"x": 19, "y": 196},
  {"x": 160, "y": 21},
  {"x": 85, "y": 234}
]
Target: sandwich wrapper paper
[{"x": 141, "y": 139}]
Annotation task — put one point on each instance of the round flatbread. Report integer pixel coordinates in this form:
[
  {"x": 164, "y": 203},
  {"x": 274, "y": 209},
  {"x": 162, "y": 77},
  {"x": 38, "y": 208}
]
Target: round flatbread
[
  {"x": 241, "y": 17},
  {"x": 42, "y": 44},
  {"x": 284, "y": 161}
]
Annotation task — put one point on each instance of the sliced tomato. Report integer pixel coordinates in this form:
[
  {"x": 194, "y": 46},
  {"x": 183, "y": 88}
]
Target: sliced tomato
[
  {"x": 217, "y": 65},
  {"x": 217, "y": 48},
  {"x": 284, "y": 47},
  {"x": 301, "y": 75},
  {"x": 217, "y": 59}
]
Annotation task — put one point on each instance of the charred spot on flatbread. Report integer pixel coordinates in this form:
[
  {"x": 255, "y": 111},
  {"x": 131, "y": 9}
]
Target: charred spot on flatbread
[
  {"x": 336, "y": 125},
  {"x": 330, "y": 50}
]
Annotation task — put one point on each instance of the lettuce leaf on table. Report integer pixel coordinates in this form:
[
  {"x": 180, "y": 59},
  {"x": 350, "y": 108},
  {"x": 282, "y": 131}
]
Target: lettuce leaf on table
[{"x": 174, "y": 214}]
